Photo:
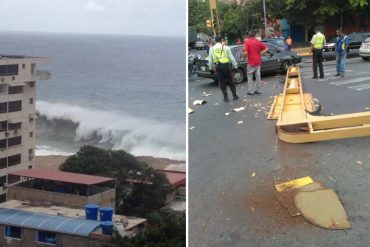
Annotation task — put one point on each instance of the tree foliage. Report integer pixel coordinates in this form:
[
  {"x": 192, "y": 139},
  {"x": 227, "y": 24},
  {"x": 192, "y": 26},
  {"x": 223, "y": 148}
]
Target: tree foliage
[
  {"x": 138, "y": 199},
  {"x": 164, "y": 230}
]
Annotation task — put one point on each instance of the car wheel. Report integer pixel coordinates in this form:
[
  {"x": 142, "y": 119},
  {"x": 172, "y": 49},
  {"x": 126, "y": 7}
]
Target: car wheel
[
  {"x": 238, "y": 76},
  {"x": 365, "y": 58},
  {"x": 285, "y": 66}
]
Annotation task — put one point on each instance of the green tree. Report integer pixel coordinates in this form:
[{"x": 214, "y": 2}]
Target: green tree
[
  {"x": 146, "y": 194},
  {"x": 164, "y": 230},
  {"x": 199, "y": 12}
]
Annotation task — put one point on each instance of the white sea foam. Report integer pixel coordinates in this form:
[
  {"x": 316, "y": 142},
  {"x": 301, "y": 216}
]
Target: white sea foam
[
  {"x": 136, "y": 135},
  {"x": 44, "y": 150}
]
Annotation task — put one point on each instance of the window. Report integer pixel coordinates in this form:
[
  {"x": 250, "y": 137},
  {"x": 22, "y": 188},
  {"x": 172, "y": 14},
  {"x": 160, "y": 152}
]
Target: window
[
  {"x": 3, "y": 198},
  {"x": 15, "y": 106},
  {"x": 13, "y": 179},
  {"x": 3, "y": 107},
  {"x": 14, "y": 126},
  {"x": 14, "y": 160},
  {"x": 15, "y": 89},
  {"x": 13, "y": 232},
  {"x": 3, "y": 126},
  {"x": 31, "y": 101},
  {"x": 3, "y": 144},
  {"x": 2, "y": 181},
  {"x": 14, "y": 141},
  {"x": 3, "y": 88},
  {"x": 3, "y": 163},
  {"x": 46, "y": 237},
  {"x": 23, "y": 66},
  {"x": 30, "y": 151},
  {"x": 31, "y": 83},
  {"x": 10, "y": 69},
  {"x": 31, "y": 134}
]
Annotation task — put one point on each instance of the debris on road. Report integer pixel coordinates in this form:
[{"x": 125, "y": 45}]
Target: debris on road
[
  {"x": 192, "y": 127},
  {"x": 253, "y": 174},
  {"x": 359, "y": 162},
  {"x": 332, "y": 179},
  {"x": 227, "y": 113},
  {"x": 239, "y": 109},
  {"x": 317, "y": 204},
  {"x": 190, "y": 110},
  {"x": 240, "y": 122},
  {"x": 199, "y": 102},
  {"x": 206, "y": 94}
]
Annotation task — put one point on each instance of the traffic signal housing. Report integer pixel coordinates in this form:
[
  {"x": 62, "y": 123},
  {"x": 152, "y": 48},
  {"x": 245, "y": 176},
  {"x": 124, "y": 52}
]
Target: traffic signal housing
[
  {"x": 209, "y": 23},
  {"x": 214, "y": 24}
]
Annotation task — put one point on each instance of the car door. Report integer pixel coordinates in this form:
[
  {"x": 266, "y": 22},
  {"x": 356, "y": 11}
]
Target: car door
[{"x": 271, "y": 59}]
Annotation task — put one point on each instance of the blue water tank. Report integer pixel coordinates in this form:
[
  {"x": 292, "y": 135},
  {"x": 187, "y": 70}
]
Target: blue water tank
[
  {"x": 106, "y": 214},
  {"x": 91, "y": 211},
  {"x": 107, "y": 227}
]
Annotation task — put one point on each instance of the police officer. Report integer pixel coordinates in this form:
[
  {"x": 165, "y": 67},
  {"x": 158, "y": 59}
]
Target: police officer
[
  {"x": 221, "y": 60},
  {"x": 317, "y": 43}
]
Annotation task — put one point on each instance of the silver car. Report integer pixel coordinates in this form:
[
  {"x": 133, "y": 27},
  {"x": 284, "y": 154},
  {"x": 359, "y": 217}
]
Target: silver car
[{"x": 364, "y": 51}]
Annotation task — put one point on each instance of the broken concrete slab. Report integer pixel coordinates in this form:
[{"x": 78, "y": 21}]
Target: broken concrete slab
[
  {"x": 322, "y": 208},
  {"x": 239, "y": 109},
  {"x": 190, "y": 110}
]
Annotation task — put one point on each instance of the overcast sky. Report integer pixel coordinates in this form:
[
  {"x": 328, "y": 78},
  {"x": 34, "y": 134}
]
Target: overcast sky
[{"x": 147, "y": 17}]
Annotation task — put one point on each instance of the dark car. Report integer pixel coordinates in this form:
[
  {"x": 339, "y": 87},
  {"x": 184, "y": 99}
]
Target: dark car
[
  {"x": 273, "y": 60},
  {"x": 279, "y": 42},
  {"x": 354, "y": 41}
]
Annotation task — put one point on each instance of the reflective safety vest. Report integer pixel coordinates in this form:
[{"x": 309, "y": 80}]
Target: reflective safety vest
[
  {"x": 219, "y": 55},
  {"x": 319, "y": 41}
]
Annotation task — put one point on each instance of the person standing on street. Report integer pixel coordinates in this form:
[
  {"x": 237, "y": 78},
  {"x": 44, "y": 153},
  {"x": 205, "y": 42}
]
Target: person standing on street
[
  {"x": 317, "y": 43},
  {"x": 221, "y": 60},
  {"x": 342, "y": 50},
  {"x": 253, "y": 49},
  {"x": 289, "y": 42}
]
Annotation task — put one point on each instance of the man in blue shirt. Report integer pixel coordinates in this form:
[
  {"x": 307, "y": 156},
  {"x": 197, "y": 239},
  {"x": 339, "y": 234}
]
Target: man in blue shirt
[{"x": 342, "y": 50}]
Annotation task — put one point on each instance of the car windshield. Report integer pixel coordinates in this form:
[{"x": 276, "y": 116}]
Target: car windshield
[{"x": 280, "y": 42}]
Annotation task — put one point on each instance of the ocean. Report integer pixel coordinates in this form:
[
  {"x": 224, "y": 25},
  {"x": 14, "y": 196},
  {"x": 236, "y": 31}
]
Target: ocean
[{"x": 111, "y": 91}]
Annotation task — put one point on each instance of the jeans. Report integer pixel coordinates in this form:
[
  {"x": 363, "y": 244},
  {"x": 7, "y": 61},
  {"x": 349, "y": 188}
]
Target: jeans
[
  {"x": 256, "y": 87},
  {"x": 341, "y": 63}
]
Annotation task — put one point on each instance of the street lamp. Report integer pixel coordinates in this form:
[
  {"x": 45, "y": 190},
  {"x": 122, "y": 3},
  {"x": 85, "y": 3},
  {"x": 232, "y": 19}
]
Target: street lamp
[{"x": 264, "y": 17}]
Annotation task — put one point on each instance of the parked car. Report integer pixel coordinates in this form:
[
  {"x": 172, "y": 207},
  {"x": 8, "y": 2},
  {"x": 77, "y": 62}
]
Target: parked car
[
  {"x": 330, "y": 46},
  {"x": 200, "y": 44},
  {"x": 273, "y": 60},
  {"x": 364, "y": 51},
  {"x": 279, "y": 42},
  {"x": 354, "y": 41}
]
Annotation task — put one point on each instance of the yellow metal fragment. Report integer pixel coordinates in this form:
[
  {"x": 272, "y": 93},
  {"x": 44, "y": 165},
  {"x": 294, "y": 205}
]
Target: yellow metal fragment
[{"x": 293, "y": 184}]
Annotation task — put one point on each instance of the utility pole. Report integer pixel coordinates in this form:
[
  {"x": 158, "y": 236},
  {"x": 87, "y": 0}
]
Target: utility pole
[{"x": 264, "y": 17}]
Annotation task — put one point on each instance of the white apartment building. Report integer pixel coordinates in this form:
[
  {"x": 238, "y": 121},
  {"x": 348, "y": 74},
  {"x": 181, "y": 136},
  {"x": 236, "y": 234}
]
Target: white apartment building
[{"x": 18, "y": 76}]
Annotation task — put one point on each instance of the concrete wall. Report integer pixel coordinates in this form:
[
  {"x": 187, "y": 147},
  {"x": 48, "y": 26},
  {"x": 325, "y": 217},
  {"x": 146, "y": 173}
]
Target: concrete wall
[
  {"x": 63, "y": 240},
  {"x": 106, "y": 198}
]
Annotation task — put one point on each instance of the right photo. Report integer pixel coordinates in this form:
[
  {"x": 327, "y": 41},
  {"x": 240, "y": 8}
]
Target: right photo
[{"x": 278, "y": 123}]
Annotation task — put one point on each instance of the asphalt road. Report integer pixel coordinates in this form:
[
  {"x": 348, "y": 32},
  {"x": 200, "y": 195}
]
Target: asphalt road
[{"x": 228, "y": 206}]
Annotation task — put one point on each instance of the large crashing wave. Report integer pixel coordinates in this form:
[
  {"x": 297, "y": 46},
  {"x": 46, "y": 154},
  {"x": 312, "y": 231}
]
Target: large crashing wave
[{"x": 116, "y": 130}]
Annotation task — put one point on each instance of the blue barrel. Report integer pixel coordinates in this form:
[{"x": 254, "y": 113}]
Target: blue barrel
[
  {"x": 107, "y": 227},
  {"x": 91, "y": 211},
  {"x": 106, "y": 214}
]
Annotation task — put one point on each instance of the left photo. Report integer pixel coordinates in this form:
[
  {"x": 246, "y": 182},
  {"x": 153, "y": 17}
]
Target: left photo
[{"x": 93, "y": 123}]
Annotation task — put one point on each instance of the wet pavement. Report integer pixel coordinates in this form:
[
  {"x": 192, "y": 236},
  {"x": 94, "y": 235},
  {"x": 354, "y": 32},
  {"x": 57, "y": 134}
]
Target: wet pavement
[{"x": 233, "y": 167}]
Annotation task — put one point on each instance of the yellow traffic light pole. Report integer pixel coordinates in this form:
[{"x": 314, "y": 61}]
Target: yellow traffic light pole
[
  {"x": 295, "y": 124},
  {"x": 214, "y": 17}
]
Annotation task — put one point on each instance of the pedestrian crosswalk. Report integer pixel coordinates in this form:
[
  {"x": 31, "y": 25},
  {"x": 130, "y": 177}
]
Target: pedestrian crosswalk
[{"x": 353, "y": 80}]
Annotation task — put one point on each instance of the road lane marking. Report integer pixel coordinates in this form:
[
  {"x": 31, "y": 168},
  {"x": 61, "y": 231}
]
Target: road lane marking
[
  {"x": 338, "y": 83},
  {"x": 361, "y": 87}
]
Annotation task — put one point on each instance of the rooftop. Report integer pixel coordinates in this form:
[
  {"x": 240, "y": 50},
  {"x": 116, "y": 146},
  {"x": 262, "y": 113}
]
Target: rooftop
[
  {"x": 175, "y": 178},
  {"x": 60, "y": 176},
  {"x": 49, "y": 208},
  {"x": 40, "y": 221}
]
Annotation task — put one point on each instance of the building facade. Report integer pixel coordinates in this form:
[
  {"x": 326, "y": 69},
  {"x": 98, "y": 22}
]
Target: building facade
[{"x": 18, "y": 76}]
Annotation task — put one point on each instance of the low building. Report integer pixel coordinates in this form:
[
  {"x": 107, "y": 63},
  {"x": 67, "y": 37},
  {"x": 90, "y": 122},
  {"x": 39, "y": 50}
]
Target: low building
[
  {"x": 177, "y": 181},
  {"x": 29, "y": 229},
  {"x": 62, "y": 188}
]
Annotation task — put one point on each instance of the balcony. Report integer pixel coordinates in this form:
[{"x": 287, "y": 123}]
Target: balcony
[{"x": 41, "y": 75}]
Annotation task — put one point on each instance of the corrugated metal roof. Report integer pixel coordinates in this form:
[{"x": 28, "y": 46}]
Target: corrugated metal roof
[
  {"x": 52, "y": 223},
  {"x": 56, "y": 175}
]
